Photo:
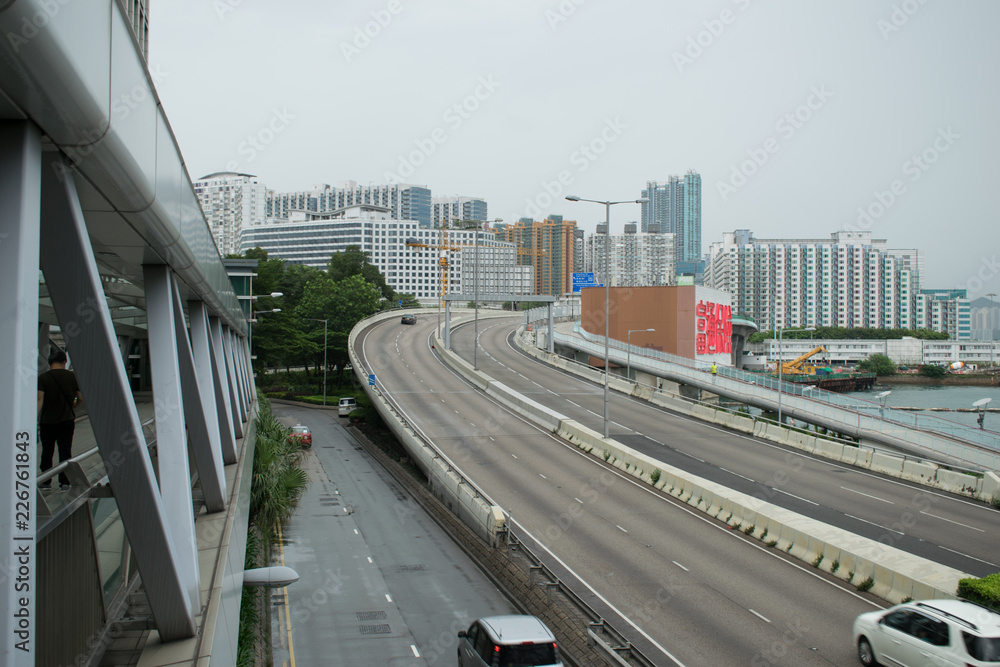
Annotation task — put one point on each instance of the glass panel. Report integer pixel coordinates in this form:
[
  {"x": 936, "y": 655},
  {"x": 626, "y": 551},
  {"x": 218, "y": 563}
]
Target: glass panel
[{"x": 109, "y": 535}]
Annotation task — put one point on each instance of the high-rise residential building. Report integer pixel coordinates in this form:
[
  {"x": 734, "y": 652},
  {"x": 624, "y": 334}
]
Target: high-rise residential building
[
  {"x": 674, "y": 207},
  {"x": 849, "y": 280},
  {"x": 231, "y": 202},
  {"x": 985, "y": 312},
  {"x": 636, "y": 259},
  {"x": 548, "y": 246},
  {"x": 691, "y": 220},
  {"x": 311, "y": 238},
  {"x": 405, "y": 202},
  {"x": 445, "y": 210},
  {"x": 945, "y": 310}
]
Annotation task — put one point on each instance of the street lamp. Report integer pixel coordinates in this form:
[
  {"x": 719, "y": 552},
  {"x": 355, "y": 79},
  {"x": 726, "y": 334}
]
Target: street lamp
[
  {"x": 881, "y": 396},
  {"x": 251, "y": 320},
  {"x": 780, "y": 333},
  {"x": 628, "y": 340},
  {"x": 981, "y": 404},
  {"x": 989, "y": 322},
  {"x": 325, "y": 324},
  {"x": 607, "y": 290}
]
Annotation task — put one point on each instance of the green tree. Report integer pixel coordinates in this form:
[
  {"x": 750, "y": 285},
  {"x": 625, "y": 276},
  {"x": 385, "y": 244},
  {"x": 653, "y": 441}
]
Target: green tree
[
  {"x": 930, "y": 371},
  {"x": 353, "y": 262},
  {"x": 879, "y": 364}
]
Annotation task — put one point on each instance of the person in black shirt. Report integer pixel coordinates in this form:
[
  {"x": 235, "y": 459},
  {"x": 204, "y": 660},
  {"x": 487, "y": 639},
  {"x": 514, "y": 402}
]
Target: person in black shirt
[{"x": 58, "y": 394}]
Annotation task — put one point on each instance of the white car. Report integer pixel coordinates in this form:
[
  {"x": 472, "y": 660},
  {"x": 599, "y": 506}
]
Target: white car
[
  {"x": 518, "y": 640},
  {"x": 943, "y": 633}
]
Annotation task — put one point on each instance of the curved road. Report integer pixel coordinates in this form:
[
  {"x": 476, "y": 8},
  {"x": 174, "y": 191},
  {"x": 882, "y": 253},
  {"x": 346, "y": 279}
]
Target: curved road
[
  {"x": 701, "y": 593},
  {"x": 939, "y": 526}
]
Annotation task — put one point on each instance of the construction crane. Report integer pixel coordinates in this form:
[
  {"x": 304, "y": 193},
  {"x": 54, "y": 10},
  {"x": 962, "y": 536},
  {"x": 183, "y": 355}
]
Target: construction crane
[
  {"x": 444, "y": 248},
  {"x": 796, "y": 367}
]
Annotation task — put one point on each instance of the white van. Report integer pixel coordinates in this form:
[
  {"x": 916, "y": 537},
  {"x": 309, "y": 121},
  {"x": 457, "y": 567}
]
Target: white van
[{"x": 347, "y": 405}]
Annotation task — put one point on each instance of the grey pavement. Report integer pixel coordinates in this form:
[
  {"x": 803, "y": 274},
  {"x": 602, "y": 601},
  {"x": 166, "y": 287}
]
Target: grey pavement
[{"x": 380, "y": 581}]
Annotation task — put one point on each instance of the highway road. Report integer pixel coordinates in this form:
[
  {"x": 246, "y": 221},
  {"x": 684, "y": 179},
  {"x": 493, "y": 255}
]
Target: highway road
[
  {"x": 694, "y": 591},
  {"x": 941, "y": 527}
]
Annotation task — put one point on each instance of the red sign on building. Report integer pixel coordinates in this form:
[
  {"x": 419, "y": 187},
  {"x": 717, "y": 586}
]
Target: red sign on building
[{"x": 715, "y": 328}]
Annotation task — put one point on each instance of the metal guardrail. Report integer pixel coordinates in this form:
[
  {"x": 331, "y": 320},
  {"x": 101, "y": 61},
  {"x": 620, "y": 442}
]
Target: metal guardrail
[{"x": 931, "y": 432}]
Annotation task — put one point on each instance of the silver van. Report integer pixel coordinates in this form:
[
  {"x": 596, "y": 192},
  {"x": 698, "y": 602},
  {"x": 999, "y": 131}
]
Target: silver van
[
  {"x": 508, "y": 640},
  {"x": 347, "y": 405}
]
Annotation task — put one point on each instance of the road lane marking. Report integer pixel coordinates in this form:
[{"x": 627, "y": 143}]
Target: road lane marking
[
  {"x": 691, "y": 456},
  {"x": 620, "y": 528},
  {"x": 805, "y": 500},
  {"x": 578, "y": 500},
  {"x": 595, "y": 414},
  {"x": 868, "y": 496},
  {"x": 680, "y": 566},
  {"x": 542, "y": 476},
  {"x": 735, "y": 473},
  {"x": 416, "y": 653},
  {"x": 388, "y": 599},
  {"x": 766, "y": 620},
  {"x": 968, "y": 556},
  {"x": 356, "y": 532},
  {"x": 370, "y": 560},
  {"x": 954, "y": 522},
  {"x": 874, "y": 524},
  {"x": 572, "y": 403},
  {"x": 514, "y": 455}
]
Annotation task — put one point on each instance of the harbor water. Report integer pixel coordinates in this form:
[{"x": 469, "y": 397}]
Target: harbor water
[{"x": 924, "y": 397}]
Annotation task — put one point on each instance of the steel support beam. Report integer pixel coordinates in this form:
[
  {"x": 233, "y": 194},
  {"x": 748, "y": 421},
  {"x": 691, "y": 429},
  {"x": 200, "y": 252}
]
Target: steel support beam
[
  {"x": 171, "y": 423},
  {"x": 223, "y": 393},
  {"x": 234, "y": 390},
  {"x": 20, "y": 193},
  {"x": 77, "y": 295},
  {"x": 201, "y": 348}
]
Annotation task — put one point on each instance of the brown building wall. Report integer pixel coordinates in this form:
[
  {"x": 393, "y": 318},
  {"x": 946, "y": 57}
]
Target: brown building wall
[{"x": 669, "y": 310}]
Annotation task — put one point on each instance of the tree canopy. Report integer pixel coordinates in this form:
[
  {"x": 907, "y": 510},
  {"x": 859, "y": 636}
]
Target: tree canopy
[{"x": 844, "y": 333}]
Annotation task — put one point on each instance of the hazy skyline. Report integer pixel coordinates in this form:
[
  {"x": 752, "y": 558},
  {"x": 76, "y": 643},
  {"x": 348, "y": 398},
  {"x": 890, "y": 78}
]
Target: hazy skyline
[{"x": 803, "y": 118}]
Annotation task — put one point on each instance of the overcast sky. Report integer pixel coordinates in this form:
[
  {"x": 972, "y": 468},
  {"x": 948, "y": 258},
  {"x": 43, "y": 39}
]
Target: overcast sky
[{"x": 796, "y": 113}]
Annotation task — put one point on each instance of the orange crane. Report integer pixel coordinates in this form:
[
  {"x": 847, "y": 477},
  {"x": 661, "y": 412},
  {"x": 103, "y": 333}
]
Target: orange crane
[{"x": 795, "y": 367}]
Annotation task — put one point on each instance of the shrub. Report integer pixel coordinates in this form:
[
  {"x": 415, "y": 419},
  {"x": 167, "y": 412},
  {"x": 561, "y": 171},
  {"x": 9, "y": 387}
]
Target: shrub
[
  {"x": 834, "y": 566},
  {"x": 818, "y": 560},
  {"x": 749, "y": 529},
  {"x": 866, "y": 585},
  {"x": 932, "y": 371},
  {"x": 771, "y": 543},
  {"x": 879, "y": 364},
  {"x": 655, "y": 476},
  {"x": 985, "y": 591}
]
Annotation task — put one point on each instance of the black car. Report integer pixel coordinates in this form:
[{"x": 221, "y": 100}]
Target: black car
[{"x": 409, "y": 319}]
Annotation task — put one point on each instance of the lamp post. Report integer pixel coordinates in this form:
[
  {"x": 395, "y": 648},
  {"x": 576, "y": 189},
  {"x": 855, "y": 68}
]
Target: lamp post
[
  {"x": 780, "y": 333},
  {"x": 628, "y": 363},
  {"x": 325, "y": 324},
  {"x": 881, "y": 396},
  {"x": 981, "y": 404},
  {"x": 989, "y": 322},
  {"x": 251, "y": 320},
  {"x": 607, "y": 290}
]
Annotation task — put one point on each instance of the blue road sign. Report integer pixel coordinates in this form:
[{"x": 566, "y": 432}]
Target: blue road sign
[
  {"x": 581, "y": 280},
  {"x": 371, "y": 379}
]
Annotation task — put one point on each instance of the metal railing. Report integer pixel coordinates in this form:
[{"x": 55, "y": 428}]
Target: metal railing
[{"x": 940, "y": 435}]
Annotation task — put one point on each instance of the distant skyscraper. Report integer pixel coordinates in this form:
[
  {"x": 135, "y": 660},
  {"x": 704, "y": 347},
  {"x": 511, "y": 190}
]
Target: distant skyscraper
[
  {"x": 550, "y": 247},
  {"x": 674, "y": 208},
  {"x": 445, "y": 210}
]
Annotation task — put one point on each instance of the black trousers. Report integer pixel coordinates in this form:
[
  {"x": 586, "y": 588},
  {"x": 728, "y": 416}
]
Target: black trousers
[{"x": 60, "y": 434}]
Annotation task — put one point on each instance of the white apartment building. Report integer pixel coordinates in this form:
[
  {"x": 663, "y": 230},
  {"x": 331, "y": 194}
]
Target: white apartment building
[
  {"x": 404, "y": 201},
  {"x": 445, "y": 210},
  {"x": 311, "y": 238},
  {"x": 231, "y": 202},
  {"x": 498, "y": 270},
  {"x": 947, "y": 311},
  {"x": 848, "y": 280},
  {"x": 637, "y": 259},
  {"x": 905, "y": 351}
]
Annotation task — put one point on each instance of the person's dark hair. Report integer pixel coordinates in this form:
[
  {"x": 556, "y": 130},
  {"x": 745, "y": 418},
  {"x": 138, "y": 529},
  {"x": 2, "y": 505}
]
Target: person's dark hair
[{"x": 57, "y": 357}]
